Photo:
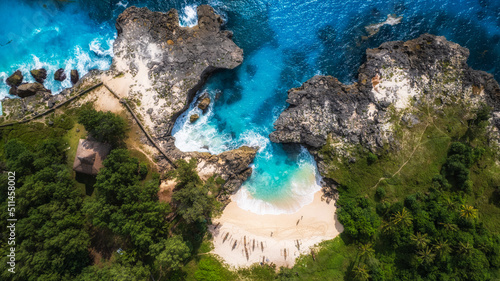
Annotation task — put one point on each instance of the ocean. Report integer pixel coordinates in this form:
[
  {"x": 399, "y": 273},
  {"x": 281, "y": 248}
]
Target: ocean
[{"x": 285, "y": 43}]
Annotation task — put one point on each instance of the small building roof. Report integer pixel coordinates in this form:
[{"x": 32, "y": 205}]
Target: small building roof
[{"x": 89, "y": 156}]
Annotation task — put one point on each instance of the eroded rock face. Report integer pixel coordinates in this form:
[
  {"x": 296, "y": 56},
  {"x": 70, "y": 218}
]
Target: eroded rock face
[
  {"x": 169, "y": 63},
  {"x": 232, "y": 166},
  {"x": 395, "y": 77}
]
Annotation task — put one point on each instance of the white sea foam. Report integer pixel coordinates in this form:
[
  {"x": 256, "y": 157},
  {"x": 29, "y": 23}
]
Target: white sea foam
[
  {"x": 189, "y": 16},
  {"x": 123, "y": 4},
  {"x": 300, "y": 191},
  {"x": 96, "y": 47},
  {"x": 81, "y": 60},
  {"x": 255, "y": 139},
  {"x": 201, "y": 135}
]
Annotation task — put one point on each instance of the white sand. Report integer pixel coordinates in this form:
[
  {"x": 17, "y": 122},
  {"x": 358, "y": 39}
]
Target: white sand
[{"x": 310, "y": 225}]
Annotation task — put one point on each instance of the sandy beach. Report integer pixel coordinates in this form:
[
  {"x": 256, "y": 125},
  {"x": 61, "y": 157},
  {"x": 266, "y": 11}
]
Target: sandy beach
[{"x": 242, "y": 238}]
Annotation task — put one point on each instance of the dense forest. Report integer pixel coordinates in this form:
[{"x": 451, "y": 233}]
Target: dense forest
[{"x": 122, "y": 231}]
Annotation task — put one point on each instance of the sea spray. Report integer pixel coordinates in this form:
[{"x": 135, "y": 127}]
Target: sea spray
[{"x": 188, "y": 16}]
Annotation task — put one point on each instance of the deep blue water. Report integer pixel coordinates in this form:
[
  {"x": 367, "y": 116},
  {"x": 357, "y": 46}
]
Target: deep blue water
[{"x": 285, "y": 43}]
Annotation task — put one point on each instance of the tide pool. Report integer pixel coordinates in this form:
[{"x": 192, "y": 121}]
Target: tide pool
[{"x": 285, "y": 43}]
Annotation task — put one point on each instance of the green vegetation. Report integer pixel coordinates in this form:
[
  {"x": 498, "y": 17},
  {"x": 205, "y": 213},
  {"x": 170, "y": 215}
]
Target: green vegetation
[
  {"x": 122, "y": 231},
  {"x": 418, "y": 214},
  {"x": 51, "y": 243},
  {"x": 103, "y": 126}
]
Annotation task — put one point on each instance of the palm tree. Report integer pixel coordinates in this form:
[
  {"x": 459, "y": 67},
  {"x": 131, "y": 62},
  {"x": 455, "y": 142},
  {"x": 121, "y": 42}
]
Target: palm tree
[
  {"x": 464, "y": 248},
  {"x": 361, "y": 273},
  {"x": 403, "y": 217},
  {"x": 420, "y": 240},
  {"x": 449, "y": 226},
  {"x": 449, "y": 204},
  {"x": 387, "y": 226},
  {"x": 442, "y": 247},
  {"x": 366, "y": 251},
  {"x": 468, "y": 212},
  {"x": 425, "y": 255}
]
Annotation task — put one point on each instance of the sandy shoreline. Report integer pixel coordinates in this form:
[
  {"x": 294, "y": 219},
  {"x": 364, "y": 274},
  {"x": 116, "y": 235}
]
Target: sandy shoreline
[{"x": 292, "y": 234}]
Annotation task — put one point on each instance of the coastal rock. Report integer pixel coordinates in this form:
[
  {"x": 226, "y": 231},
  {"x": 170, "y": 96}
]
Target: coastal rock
[
  {"x": 39, "y": 74},
  {"x": 59, "y": 75},
  {"x": 13, "y": 91},
  {"x": 396, "y": 77},
  {"x": 204, "y": 103},
  {"x": 75, "y": 76},
  {"x": 30, "y": 89},
  {"x": 232, "y": 166},
  {"x": 166, "y": 64},
  {"x": 193, "y": 118},
  {"x": 15, "y": 79}
]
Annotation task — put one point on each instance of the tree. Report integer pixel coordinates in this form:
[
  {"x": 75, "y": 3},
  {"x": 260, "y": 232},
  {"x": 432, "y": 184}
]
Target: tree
[
  {"x": 103, "y": 126},
  {"x": 124, "y": 205},
  {"x": 170, "y": 253},
  {"x": 402, "y": 217},
  {"x": 361, "y": 273},
  {"x": 468, "y": 212},
  {"x": 425, "y": 255},
  {"x": 191, "y": 196},
  {"x": 366, "y": 251},
  {"x": 442, "y": 247},
  {"x": 51, "y": 241},
  {"x": 420, "y": 240}
]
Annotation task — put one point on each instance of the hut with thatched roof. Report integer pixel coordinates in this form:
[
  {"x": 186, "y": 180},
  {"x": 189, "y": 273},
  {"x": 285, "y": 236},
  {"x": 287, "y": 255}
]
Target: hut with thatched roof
[{"x": 89, "y": 156}]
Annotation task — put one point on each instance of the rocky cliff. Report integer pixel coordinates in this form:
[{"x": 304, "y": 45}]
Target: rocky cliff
[
  {"x": 169, "y": 63},
  {"x": 397, "y": 79}
]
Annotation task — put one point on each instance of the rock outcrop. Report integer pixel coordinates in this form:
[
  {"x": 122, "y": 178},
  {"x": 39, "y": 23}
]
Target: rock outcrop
[
  {"x": 15, "y": 79},
  {"x": 30, "y": 89},
  {"x": 74, "y": 76},
  {"x": 396, "y": 78},
  {"x": 170, "y": 63},
  {"x": 59, "y": 75},
  {"x": 164, "y": 65},
  {"x": 39, "y": 74}
]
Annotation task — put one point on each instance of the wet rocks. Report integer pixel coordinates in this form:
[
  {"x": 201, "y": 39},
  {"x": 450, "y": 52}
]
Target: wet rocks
[
  {"x": 59, "y": 75},
  {"x": 75, "y": 76},
  {"x": 30, "y": 89},
  {"x": 39, "y": 74},
  {"x": 204, "y": 103},
  {"x": 15, "y": 79},
  {"x": 193, "y": 118}
]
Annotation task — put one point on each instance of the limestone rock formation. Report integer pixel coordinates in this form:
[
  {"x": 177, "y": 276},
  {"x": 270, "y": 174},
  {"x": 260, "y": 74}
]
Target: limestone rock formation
[
  {"x": 170, "y": 63},
  {"x": 396, "y": 77}
]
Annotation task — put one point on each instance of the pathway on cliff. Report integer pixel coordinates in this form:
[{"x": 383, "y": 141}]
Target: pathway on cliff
[{"x": 170, "y": 160}]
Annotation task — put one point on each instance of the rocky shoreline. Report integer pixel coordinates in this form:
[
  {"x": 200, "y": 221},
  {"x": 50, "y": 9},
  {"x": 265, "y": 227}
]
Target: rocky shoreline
[
  {"x": 158, "y": 67},
  {"x": 396, "y": 78}
]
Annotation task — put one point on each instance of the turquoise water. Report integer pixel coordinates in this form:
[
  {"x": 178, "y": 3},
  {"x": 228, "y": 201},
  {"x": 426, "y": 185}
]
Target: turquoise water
[{"x": 285, "y": 43}]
